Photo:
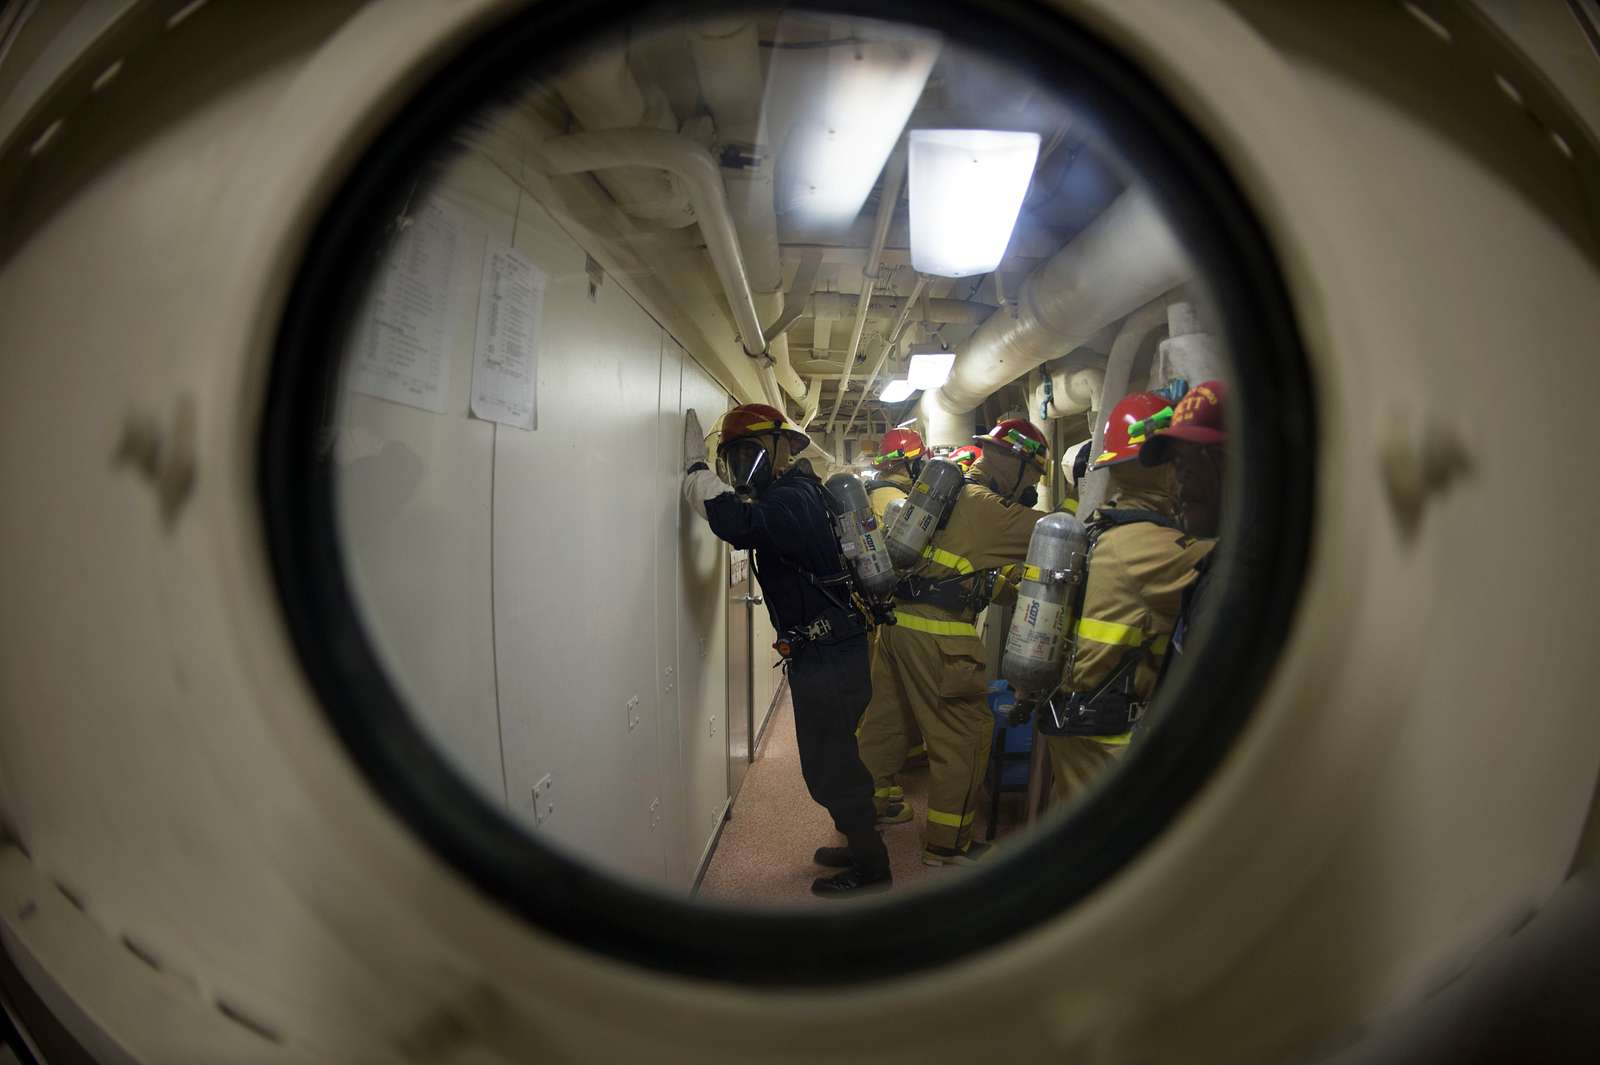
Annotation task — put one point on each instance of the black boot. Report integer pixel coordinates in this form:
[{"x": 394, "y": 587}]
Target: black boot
[
  {"x": 853, "y": 881},
  {"x": 868, "y": 871},
  {"x": 833, "y": 857}
]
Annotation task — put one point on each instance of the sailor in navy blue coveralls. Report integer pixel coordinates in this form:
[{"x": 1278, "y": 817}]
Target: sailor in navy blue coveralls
[{"x": 778, "y": 510}]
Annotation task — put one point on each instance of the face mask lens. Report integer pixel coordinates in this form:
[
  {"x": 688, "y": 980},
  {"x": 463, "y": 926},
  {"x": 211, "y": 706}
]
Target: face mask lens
[{"x": 747, "y": 466}]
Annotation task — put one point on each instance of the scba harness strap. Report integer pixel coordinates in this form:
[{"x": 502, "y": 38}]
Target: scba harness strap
[
  {"x": 968, "y": 592},
  {"x": 1109, "y": 710},
  {"x": 838, "y": 588}
]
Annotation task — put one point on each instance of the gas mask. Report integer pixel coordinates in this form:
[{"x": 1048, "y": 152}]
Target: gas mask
[
  {"x": 746, "y": 465},
  {"x": 1010, "y": 488}
]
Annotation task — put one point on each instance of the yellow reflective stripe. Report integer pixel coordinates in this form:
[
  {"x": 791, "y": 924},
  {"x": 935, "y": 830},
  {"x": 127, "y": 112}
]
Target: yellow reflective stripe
[
  {"x": 882, "y": 793},
  {"x": 897, "y": 792},
  {"x": 947, "y": 558},
  {"x": 1030, "y": 572},
  {"x": 1071, "y": 505},
  {"x": 756, "y": 427},
  {"x": 935, "y": 628},
  {"x": 939, "y": 817},
  {"x": 1110, "y": 632},
  {"x": 1114, "y": 741},
  {"x": 1159, "y": 647}
]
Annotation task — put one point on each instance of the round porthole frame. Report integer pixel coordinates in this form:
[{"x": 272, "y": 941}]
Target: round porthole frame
[{"x": 1263, "y": 554}]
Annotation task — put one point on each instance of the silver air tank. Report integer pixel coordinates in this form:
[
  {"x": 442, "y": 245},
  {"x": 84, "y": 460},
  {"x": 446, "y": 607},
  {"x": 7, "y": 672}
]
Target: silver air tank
[
  {"x": 891, "y": 511},
  {"x": 925, "y": 508},
  {"x": 859, "y": 536},
  {"x": 1036, "y": 644}
]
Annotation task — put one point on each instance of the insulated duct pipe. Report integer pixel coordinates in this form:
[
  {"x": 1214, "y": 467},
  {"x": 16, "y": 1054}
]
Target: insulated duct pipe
[
  {"x": 602, "y": 93},
  {"x": 1071, "y": 392},
  {"x": 578, "y": 153},
  {"x": 894, "y": 175},
  {"x": 1131, "y": 339},
  {"x": 1189, "y": 352},
  {"x": 727, "y": 59},
  {"x": 1123, "y": 259}
]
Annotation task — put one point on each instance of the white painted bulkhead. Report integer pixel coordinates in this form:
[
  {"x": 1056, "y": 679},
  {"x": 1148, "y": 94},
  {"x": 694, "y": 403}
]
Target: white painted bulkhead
[{"x": 508, "y": 575}]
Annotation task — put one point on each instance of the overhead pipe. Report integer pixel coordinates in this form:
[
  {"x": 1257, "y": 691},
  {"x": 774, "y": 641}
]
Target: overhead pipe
[
  {"x": 836, "y": 305},
  {"x": 577, "y": 153},
  {"x": 894, "y": 175},
  {"x": 1123, "y": 259},
  {"x": 772, "y": 392},
  {"x": 602, "y": 94},
  {"x": 889, "y": 345},
  {"x": 769, "y": 305},
  {"x": 798, "y": 297},
  {"x": 727, "y": 59},
  {"x": 813, "y": 400}
]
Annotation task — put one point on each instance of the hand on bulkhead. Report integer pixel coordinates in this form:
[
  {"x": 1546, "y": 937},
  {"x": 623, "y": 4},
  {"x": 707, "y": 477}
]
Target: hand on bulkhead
[{"x": 694, "y": 440}]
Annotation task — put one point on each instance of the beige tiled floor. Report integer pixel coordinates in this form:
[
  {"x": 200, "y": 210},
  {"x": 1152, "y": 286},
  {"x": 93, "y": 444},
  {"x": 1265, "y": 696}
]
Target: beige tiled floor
[{"x": 764, "y": 855}]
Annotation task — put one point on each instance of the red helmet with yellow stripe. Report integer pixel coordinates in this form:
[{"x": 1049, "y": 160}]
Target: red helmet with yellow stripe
[
  {"x": 1020, "y": 437},
  {"x": 965, "y": 455},
  {"x": 1127, "y": 428},
  {"x": 899, "y": 445},
  {"x": 755, "y": 419}
]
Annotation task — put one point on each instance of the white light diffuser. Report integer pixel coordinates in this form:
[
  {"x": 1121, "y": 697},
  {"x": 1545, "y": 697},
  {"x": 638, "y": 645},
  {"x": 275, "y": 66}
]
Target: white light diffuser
[
  {"x": 966, "y": 189},
  {"x": 897, "y": 390},
  {"x": 930, "y": 369},
  {"x": 836, "y": 113}
]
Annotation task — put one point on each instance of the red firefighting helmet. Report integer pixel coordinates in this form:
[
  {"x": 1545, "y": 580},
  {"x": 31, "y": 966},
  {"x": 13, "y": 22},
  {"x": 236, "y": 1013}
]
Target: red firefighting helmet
[
  {"x": 899, "y": 445},
  {"x": 1118, "y": 446},
  {"x": 965, "y": 455},
  {"x": 1197, "y": 418},
  {"x": 754, "y": 419},
  {"x": 1021, "y": 438}
]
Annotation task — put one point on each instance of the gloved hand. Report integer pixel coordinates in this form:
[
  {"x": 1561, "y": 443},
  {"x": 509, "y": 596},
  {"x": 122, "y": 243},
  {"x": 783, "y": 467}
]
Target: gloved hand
[{"x": 694, "y": 440}]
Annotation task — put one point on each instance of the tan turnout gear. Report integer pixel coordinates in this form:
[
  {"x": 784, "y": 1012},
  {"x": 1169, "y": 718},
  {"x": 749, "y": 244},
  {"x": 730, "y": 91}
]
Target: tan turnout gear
[
  {"x": 929, "y": 672},
  {"x": 880, "y": 493},
  {"x": 1137, "y": 574}
]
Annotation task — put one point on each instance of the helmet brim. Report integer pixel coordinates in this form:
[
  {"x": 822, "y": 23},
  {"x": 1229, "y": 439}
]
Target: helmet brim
[
  {"x": 1158, "y": 449},
  {"x": 993, "y": 441}
]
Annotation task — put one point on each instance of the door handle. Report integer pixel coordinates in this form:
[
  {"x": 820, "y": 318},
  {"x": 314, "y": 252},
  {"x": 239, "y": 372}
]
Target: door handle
[{"x": 748, "y": 600}]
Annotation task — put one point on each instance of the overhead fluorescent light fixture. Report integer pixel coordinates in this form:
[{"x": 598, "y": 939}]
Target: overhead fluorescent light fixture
[
  {"x": 966, "y": 190},
  {"x": 835, "y": 110},
  {"x": 897, "y": 390},
  {"x": 930, "y": 369}
]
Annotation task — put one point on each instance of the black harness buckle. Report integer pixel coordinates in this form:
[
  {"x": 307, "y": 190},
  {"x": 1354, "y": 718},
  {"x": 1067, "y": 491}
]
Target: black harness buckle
[{"x": 793, "y": 640}]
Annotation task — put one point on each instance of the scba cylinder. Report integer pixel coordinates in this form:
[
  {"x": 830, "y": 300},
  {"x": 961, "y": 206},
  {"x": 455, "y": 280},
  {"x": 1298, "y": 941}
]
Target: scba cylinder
[
  {"x": 926, "y": 505},
  {"x": 859, "y": 536},
  {"x": 891, "y": 511},
  {"x": 1036, "y": 644}
]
